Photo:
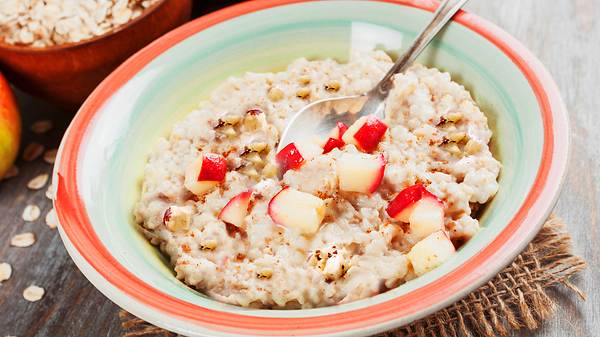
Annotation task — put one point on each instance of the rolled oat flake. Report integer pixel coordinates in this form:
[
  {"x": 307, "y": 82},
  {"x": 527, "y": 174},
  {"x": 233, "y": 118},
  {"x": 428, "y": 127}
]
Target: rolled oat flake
[
  {"x": 33, "y": 293},
  {"x": 23, "y": 240},
  {"x": 51, "y": 219},
  {"x": 33, "y": 151},
  {"x": 41, "y": 127},
  {"x": 50, "y": 156},
  {"x": 38, "y": 182},
  {"x": 50, "y": 191},
  {"x": 5, "y": 271},
  {"x": 31, "y": 213}
]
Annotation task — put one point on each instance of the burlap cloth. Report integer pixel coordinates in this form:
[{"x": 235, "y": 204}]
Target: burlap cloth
[{"x": 516, "y": 298}]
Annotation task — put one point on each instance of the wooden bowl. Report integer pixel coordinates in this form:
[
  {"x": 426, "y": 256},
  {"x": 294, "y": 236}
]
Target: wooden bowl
[{"x": 66, "y": 74}]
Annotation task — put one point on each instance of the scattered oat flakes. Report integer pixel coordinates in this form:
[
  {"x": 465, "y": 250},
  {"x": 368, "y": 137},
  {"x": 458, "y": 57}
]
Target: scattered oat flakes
[
  {"x": 50, "y": 156},
  {"x": 41, "y": 126},
  {"x": 50, "y": 191},
  {"x": 12, "y": 172},
  {"x": 51, "y": 219},
  {"x": 31, "y": 213},
  {"x": 5, "y": 271},
  {"x": 38, "y": 182},
  {"x": 33, "y": 151},
  {"x": 22, "y": 240},
  {"x": 33, "y": 293}
]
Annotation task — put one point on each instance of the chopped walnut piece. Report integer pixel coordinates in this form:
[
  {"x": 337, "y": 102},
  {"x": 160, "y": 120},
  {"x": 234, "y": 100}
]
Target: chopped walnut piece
[
  {"x": 258, "y": 147},
  {"x": 265, "y": 273},
  {"x": 177, "y": 218},
  {"x": 209, "y": 245},
  {"x": 332, "y": 86},
  {"x": 457, "y": 137},
  {"x": 275, "y": 94},
  {"x": 472, "y": 146},
  {"x": 303, "y": 93},
  {"x": 454, "y": 117}
]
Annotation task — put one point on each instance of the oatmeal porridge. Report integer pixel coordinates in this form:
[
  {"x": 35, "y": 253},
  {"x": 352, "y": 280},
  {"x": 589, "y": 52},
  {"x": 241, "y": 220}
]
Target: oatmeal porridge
[{"x": 372, "y": 205}]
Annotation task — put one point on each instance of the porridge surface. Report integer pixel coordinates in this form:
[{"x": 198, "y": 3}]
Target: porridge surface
[{"x": 437, "y": 137}]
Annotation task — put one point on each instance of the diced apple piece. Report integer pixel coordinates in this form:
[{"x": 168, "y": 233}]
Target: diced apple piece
[
  {"x": 426, "y": 217},
  {"x": 332, "y": 143},
  {"x": 289, "y": 158},
  {"x": 402, "y": 205},
  {"x": 294, "y": 209},
  {"x": 205, "y": 173},
  {"x": 431, "y": 252},
  {"x": 420, "y": 208},
  {"x": 359, "y": 172},
  {"x": 177, "y": 218},
  {"x": 236, "y": 209},
  {"x": 366, "y": 133},
  {"x": 295, "y": 154},
  {"x": 334, "y": 140},
  {"x": 338, "y": 131}
]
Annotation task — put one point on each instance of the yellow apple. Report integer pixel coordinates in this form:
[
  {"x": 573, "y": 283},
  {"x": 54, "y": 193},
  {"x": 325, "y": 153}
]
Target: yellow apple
[{"x": 10, "y": 127}]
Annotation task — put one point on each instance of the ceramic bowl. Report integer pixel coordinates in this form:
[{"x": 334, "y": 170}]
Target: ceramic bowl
[
  {"x": 66, "y": 74},
  {"x": 101, "y": 160}
]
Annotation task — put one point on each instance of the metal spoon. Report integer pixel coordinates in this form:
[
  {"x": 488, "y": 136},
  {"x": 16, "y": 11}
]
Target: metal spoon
[{"x": 319, "y": 117}]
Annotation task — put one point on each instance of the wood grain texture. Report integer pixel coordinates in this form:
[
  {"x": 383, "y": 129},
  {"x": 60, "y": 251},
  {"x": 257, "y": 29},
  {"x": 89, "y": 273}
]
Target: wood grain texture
[{"x": 564, "y": 34}]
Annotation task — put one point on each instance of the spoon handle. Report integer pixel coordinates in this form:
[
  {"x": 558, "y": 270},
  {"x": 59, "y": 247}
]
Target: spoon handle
[{"x": 441, "y": 17}]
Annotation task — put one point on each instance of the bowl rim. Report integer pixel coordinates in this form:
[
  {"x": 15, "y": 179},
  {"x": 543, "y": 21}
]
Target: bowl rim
[
  {"x": 78, "y": 234},
  {"x": 73, "y": 45}
]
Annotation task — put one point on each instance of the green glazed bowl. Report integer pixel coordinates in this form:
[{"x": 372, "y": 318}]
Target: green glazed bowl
[{"x": 101, "y": 159}]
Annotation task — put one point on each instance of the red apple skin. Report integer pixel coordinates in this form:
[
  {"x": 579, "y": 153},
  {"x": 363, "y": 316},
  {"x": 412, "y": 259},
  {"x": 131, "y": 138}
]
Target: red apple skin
[
  {"x": 341, "y": 129},
  {"x": 289, "y": 158},
  {"x": 244, "y": 196},
  {"x": 370, "y": 134},
  {"x": 10, "y": 127},
  {"x": 270, "y": 206},
  {"x": 214, "y": 168},
  {"x": 335, "y": 138},
  {"x": 167, "y": 215},
  {"x": 333, "y": 143},
  {"x": 379, "y": 178},
  {"x": 408, "y": 197}
]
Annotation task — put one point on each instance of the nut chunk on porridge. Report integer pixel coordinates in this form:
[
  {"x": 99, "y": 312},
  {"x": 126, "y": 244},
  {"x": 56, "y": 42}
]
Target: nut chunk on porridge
[{"x": 326, "y": 221}]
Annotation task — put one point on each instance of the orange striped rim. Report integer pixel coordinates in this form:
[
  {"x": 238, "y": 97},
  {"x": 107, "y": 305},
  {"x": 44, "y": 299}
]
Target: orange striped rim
[{"x": 77, "y": 227}]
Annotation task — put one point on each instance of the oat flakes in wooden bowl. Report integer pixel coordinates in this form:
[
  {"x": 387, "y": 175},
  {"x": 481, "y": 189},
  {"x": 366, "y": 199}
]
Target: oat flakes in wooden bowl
[{"x": 60, "y": 50}]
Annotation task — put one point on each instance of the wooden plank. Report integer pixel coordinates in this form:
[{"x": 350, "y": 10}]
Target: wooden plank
[
  {"x": 564, "y": 35},
  {"x": 71, "y": 305}
]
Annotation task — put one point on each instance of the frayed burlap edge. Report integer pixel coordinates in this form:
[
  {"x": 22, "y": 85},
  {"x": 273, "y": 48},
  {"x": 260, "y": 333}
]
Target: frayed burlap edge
[{"x": 516, "y": 298}]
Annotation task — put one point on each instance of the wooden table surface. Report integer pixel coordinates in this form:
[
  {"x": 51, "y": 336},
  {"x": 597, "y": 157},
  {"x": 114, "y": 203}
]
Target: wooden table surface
[{"x": 564, "y": 34}]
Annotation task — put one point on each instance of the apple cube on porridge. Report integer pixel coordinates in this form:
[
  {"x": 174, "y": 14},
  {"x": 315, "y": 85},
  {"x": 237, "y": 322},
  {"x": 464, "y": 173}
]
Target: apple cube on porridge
[
  {"x": 205, "y": 173},
  {"x": 294, "y": 209}
]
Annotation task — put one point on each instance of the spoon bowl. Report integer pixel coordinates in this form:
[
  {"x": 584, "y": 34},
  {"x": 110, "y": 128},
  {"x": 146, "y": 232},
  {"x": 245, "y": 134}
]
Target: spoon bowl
[{"x": 320, "y": 117}]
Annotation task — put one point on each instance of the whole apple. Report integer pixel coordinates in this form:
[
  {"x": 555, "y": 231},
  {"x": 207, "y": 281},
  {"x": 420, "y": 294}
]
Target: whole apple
[{"x": 10, "y": 127}]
